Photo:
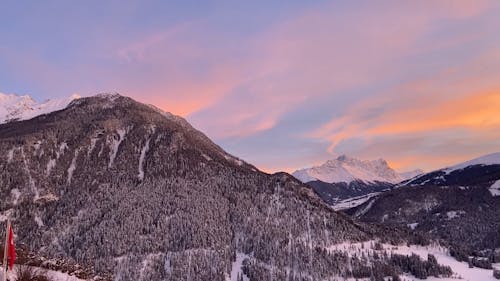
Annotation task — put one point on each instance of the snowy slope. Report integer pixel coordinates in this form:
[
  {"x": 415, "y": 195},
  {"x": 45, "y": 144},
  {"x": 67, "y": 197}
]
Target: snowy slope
[
  {"x": 15, "y": 107},
  {"x": 53, "y": 275},
  {"x": 461, "y": 270},
  {"x": 481, "y": 168},
  {"x": 489, "y": 159},
  {"x": 495, "y": 188},
  {"x": 347, "y": 169}
]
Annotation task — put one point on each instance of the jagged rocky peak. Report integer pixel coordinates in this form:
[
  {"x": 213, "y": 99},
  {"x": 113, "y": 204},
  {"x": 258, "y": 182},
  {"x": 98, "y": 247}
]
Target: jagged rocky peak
[
  {"x": 15, "y": 107},
  {"x": 348, "y": 169}
]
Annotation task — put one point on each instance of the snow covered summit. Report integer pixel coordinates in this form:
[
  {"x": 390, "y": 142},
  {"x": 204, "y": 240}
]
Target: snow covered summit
[
  {"x": 14, "y": 107},
  {"x": 347, "y": 169},
  {"x": 489, "y": 159}
]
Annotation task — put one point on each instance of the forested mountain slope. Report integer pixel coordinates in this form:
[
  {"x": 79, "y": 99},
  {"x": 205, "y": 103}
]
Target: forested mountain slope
[{"x": 139, "y": 193}]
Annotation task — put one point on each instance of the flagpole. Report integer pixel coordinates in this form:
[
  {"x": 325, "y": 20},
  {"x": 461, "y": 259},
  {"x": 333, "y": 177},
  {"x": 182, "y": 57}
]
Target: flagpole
[{"x": 5, "y": 250}]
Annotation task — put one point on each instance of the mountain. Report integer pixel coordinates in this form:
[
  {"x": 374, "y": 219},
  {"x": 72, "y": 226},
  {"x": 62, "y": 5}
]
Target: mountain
[
  {"x": 140, "y": 194},
  {"x": 460, "y": 205},
  {"x": 347, "y": 182},
  {"x": 14, "y": 107},
  {"x": 347, "y": 169},
  {"x": 482, "y": 168}
]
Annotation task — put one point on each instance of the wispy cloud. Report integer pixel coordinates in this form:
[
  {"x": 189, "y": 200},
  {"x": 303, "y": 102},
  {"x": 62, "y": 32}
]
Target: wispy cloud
[{"x": 414, "y": 82}]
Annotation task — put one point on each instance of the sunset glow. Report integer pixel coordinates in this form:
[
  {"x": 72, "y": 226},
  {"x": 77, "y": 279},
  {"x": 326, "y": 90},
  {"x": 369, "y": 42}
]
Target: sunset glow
[{"x": 283, "y": 85}]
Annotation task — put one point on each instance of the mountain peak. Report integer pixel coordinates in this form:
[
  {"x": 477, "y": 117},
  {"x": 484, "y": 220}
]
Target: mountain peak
[
  {"x": 22, "y": 107},
  {"x": 347, "y": 169},
  {"x": 342, "y": 157}
]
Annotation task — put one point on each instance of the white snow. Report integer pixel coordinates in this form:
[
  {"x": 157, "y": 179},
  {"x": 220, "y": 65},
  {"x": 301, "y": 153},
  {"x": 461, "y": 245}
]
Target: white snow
[
  {"x": 236, "y": 268},
  {"x": 489, "y": 159},
  {"x": 454, "y": 214},
  {"x": 10, "y": 155},
  {"x": 39, "y": 221},
  {"x": 411, "y": 174},
  {"x": 141, "y": 160},
  {"x": 495, "y": 188},
  {"x": 50, "y": 165},
  {"x": 15, "y": 107},
  {"x": 62, "y": 147},
  {"x": 208, "y": 158},
  {"x": 31, "y": 181},
  {"x": 353, "y": 202},
  {"x": 72, "y": 167},
  {"x": 233, "y": 159},
  {"x": 48, "y": 197},
  {"x": 347, "y": 169},
  {"x": 365, "y": 209},
  {"x": 37, "y": 145},
  {"x": 93, "y": 141},
  {"x": 168, "y": 264},
  {"x": 461, "y": 269},
  {"x": 5, "y": 215},
  {"x": 53, "y": 275},
  {"x": 115, "y": 144},
  {"x": 15, "y": 194},
  {"x": 443, "y": 257},
  {"x": 147, "y": 264},
  {"x": 412, "y": 225}
]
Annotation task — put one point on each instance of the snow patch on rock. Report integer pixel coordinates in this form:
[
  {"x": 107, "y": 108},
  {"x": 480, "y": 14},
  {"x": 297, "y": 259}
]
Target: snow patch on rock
[
  {"x": 72, "y": 167},
  {"x": 10, "y": 155},
  {"x": 141, "y": 159},
  {"x": 454, "y": 214},
  {"x": 39, "y": 221},
  {"x": 50, "y": 165},
  {"x": 115, "y": 144},
  {"x": 16, "y": 194},
  {"x": 412, "y": 225},
  {"x": 236, "y": 268},
  {"x": 62, "y": 147},
  {"x": 495, "y": 188}
]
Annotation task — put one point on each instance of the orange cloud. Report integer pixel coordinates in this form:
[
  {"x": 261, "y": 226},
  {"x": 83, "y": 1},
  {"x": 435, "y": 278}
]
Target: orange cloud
[{"x": 475, "y": 111}]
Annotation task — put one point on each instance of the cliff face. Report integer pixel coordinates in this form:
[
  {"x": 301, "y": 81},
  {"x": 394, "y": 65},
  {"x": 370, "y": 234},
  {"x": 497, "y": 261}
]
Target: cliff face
[{"x": 140, "y": 193}]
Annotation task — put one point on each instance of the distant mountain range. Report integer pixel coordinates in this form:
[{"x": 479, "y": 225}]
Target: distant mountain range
[
  {"x": 347, "y": 179},
  {"x": 460, "y": 205},
  {"x": 14, "y": 107}
]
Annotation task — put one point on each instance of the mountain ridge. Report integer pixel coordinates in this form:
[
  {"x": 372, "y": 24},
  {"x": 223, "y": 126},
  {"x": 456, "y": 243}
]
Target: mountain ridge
[
  {"x": 348, "y": 169},
  {"x": 22, "y": 107},
  {"x": 112, "y": 183}
]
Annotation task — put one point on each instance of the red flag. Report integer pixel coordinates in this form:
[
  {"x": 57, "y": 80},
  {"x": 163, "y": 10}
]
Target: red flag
[{"x": 11, "y": 248}]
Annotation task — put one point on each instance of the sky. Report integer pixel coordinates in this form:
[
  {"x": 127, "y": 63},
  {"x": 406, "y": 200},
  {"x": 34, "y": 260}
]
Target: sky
[{"x": 280, "y": 84}]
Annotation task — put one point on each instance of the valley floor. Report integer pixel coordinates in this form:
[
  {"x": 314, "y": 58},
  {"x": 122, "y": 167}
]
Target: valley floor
[{"x": 461, "y": 269}]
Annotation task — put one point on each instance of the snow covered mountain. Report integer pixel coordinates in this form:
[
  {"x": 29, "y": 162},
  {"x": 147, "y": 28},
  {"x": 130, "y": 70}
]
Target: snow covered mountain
[
  {"x": 14, "y": 107},
  {"x": 462, "y": 173},
  {"x": 347, "y": 182},
  {"x": 459, "y": 204},
  {"x": 347, "y": 169},
  {"x": 142, "y": 195}
]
